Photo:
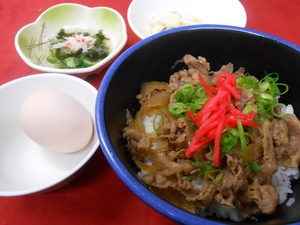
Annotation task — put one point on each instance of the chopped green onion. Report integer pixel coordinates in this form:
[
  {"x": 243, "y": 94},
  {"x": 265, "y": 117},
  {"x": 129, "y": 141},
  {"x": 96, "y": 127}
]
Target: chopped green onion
[
  {"x": 192, "y": 106},
  {"x": 200, "y": 101},
  {"x": 199, "y": 164},
  {"x": 248, "y": 108},
  {"x": 193, "y": 176},
  {"x": 243, "y": 141},
  {"x": 247, "y": 82},
  {"x": 229, "y": 141},
  {"x": 213, "y": 171},
  {"x": 269, "y": 78},
  {"x": 265, "y": 91},
  {"x": 177, "y": 109},
  {"x": 189, "y": 97},
  {"x": 281, "y": 105},
  {"x": 272, "y": 87},
  {"x": 200, "y": 92},
  {"x": 186, "y": 93},
  {"x": 277, "y": 92},
  {"x": 266, "y": 98},
  {"x": 254, "y": 167},
  {"x": 264, "y": 86},
  {"x": 201, "y": 172},
  {"x": 262, "y": 110},
  {"x": 265, "y": 103},
  {"x": 158, "y": 124}
]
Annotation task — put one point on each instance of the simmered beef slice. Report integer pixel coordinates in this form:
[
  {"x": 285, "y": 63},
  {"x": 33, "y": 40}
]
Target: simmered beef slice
[
  {"x": 287, "y": 140},
  {"x": 149, "y": 89},
  {"x": 199, "y": 64},
  {"x": 264, "y": 195},
  {"x": 138, "y": 143},
  {"x": 178, "y": 132},
  {"x": 280, "y": 140}
]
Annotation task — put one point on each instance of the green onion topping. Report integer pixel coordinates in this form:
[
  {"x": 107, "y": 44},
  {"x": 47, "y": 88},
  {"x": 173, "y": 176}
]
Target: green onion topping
[
  {"x": 254, "y": 167},
  {"x": 158, "y": 124},
  {"x": 201, "y": 172},
  {"x": 218, "y": 171}
]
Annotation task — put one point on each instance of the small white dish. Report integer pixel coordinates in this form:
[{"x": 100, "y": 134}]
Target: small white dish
[
  {"x": 32, "y": 40},
  {"x": 222, "y": 12},
  {"x": 26, "y": 167}
]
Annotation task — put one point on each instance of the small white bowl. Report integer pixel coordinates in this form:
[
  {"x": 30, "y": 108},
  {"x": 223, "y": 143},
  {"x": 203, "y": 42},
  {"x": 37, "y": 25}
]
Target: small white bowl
[
  {"x": 32, "y": 40},
  {"x": 26, "y": 167},
  {"x": 223, "y": 12}
]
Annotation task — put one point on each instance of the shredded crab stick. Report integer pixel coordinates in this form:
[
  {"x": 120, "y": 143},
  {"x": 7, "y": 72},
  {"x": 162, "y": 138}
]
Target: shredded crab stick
[
  {"x": 76, "y": 42},
  {"x": 218, "y": 112}
]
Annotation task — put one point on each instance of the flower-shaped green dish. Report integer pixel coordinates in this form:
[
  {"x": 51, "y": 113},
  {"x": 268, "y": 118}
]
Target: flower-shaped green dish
[{"x": 32, "y": 40}]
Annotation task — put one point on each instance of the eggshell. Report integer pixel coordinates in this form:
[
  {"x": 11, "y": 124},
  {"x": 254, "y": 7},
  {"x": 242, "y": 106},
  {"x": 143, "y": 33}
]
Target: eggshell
[{"x": 56, "y": 121}]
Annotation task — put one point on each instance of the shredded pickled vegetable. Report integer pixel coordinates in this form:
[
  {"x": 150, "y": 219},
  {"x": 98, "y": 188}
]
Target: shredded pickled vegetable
[{"x": 218, "y": 112}]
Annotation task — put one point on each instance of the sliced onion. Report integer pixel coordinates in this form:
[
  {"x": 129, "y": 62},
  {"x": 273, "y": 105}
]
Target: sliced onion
[{"x": 147, "y": 168}]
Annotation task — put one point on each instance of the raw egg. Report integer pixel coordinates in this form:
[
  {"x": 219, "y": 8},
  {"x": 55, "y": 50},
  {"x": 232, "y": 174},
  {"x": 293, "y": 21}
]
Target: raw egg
[{"x": 56, "y": 121}]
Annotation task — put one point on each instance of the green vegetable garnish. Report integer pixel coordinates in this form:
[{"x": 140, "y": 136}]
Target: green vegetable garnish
[
  {"x": 254, "y": 167},
  {"x": 229, "y": 140},
  {"x": 158, "y": 124},
  {"x": 269, "y": 85},
  {"x": 266, "y": 92},
  {"x": 201, "y": 172},
  {"x": 189, "y": 97},
  {"x": 71, "y": 62},
  {"x": 213, "y": 171},
  {"x": 77, "y": 50},
  {"x": 177, "y": 109},
  {"x": 205, "y": 171},
  {"x": 247, "y": 82},
  {"x": 243, "y": 141}
]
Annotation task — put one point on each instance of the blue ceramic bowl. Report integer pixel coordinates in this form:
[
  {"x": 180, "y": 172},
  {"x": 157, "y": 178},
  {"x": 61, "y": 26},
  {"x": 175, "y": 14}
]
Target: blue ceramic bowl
[{"x": 152, "y": 58}]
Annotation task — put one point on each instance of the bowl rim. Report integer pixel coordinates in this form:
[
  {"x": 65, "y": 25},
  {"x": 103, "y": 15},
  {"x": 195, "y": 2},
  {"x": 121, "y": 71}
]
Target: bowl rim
[
  {"x": 129, "y": 180},
  {"x": 73, "y": 171},
  {"x": 90, "y": 69}
]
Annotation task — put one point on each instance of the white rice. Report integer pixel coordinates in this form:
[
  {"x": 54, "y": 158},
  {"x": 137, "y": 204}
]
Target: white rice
[
  {"x": 290, "y": 202},
  {"x": 289, "y": 109},
  {"x": 148, "y": 123},
  {"x": 282, "y": 181},
  {"x": 141, "y": 173},
  {"x": 197, "y": 182},
  {"x": 222, "y": 211}
]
